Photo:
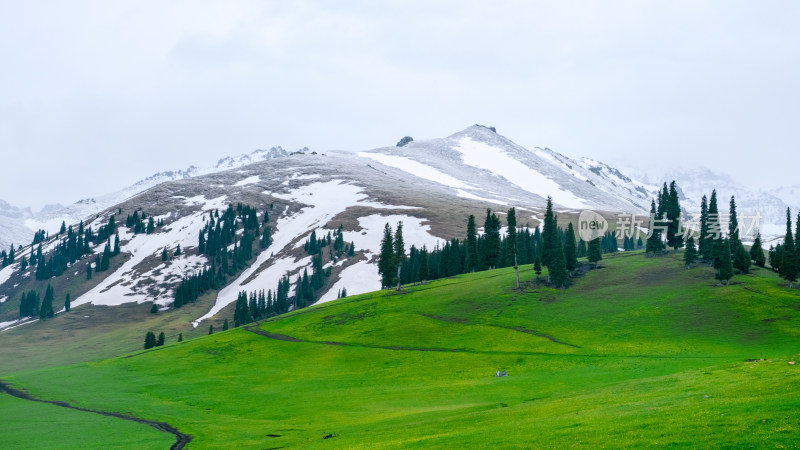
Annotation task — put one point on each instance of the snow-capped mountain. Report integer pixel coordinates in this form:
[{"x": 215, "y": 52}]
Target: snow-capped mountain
[
  {"x": 430, "y": 185},
  {"x": 480, "y": 164}
]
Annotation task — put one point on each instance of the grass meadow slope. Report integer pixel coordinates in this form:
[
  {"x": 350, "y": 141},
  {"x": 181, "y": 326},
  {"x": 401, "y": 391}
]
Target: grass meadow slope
[{"x": 638, "y": 353}]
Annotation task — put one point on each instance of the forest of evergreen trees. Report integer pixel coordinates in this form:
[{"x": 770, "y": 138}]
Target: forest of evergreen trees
[{"x": 214, "y": 240}]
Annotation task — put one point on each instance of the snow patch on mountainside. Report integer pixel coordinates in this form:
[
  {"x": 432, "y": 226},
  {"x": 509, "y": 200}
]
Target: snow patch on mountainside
[
  {"x": 357, "y": 279},
  {"x": 249, "y": 180},
  {"x": 6, "y": 272},
  {"x": 483, "y": 156},
  {"x": 417, "y": 169}
]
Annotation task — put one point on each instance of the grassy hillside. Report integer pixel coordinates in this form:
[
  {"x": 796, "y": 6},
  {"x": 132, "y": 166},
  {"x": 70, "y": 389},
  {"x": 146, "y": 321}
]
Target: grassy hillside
[{"x": 638, "y": 353}]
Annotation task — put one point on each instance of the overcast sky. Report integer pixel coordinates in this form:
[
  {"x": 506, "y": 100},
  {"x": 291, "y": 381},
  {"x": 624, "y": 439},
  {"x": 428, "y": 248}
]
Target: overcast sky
[{"x": 97, "y": 95}]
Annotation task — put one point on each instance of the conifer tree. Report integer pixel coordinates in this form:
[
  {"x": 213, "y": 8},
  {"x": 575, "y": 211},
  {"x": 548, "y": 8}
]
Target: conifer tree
[
  {"x": 399, "y": 251},
  {"x": 690, "y": 255},
  {"x": 178, "y": 249},
  {"x": 160, "y": 340},
  {"x": 557, "y": 271},
  {"x": 180, "y": 337},
  {"x": 116, "y": 244},
  {"x": 386, "y": 267},
  {"x": 570, "y": 251},
  {"x": 713, "y": 231},
  {"x": 472, "y": 246},
  {"x": 491, "y": 240},
  {"x": 511, "y": 238},
  {"x": 654, "y": 244},
  {"x": 154, "y": 308},
  {"x": 741, "y": 259},
  {"x": 537, "y": 265},
  {"x": 149, "y": 340},
  {"x": 733, "y": 225},
  {"x": 164, "y": 255},
  {"x": 211, "y": 329},
  {"x": 344, "y": 292},
  {"x": 67, "y": 303},
  {"x": 46, "y": 310},
  {"x": 789, "y": 264},
  {"x": 757, "y": 252},
  {"x": 89, "y": 271},
  {"x": 674, "y": 236},
  {"x": 549, "y": 233},
  {"x": 225, "y": 325},
  {"x": 594, "y": 253},
  {"x": 725, "y": 271},
  {"x": 581, "y": 253},
  {"x": 423, "y": 266}
]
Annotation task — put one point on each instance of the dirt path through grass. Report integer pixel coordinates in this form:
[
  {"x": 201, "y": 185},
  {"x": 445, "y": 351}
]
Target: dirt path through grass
[{"x": 181, "y": 439}]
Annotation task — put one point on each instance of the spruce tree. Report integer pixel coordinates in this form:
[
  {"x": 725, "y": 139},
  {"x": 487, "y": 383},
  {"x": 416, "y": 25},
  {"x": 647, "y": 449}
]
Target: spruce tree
[
  {"x": 594, "y": 252},
  {"x": 386, "y": 267},
  {"x": 89, "y": 271},
  {"x": 180, "y": 337},
  {"x": 570, "y": 250},
  {"x": 549, "y": 233},
  {"x": 225, "y": 325},
  {"x": 733, "y": 225},
  {"x": 154, "y": 308},
  {"x": 471, "y": 260},
  {"x": 537, "y": 265},
  {"x": 725, "y": 271},
  {"x": 654, "y": 244},
  {"x": 164, "y": 255},
  {"x": 741, "y": 259},
  {"x": 674, "y": 236},
  {"x": 491, "y": 241},
  {"x": 160, "y": 340},
  {"x": 757, "y": 252},
  {"x": 149, "y": 340},
  {"x": 46, "y": 310},
  {"x": 67, "y": 303},
  {"x": 211, "y": 329},
  {"x": 690, "y": 255},
  {"x": 511, "y": 238},
  {"x": 789, "y": 264},
  {"x": 558, "y": 266},
  {"x": 582, "y": 249},
  {"x": 713, "y": 231},
  {"x": 399, "y": 251},
  {"x": 423, "y": 266}
]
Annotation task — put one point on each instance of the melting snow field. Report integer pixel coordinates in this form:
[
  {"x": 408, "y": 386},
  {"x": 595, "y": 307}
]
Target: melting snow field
[
  {"x": 484, "y": 156},
  {"x": 417, "y": 169},
  {"x": 6, "y": 272},
  {"x": 414, "y": 232},
  {"x": 249, "y": 180},
  {"x": 325, "y": 200},
  {"x": 5, "y": 326},
  {"x": 359, "y": 278}
]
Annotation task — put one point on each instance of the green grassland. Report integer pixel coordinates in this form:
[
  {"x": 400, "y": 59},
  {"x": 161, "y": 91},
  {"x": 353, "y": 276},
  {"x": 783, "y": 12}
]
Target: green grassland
[
  {"x": 28, "y": 424},
  {"x": 638, "y": 353}
]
